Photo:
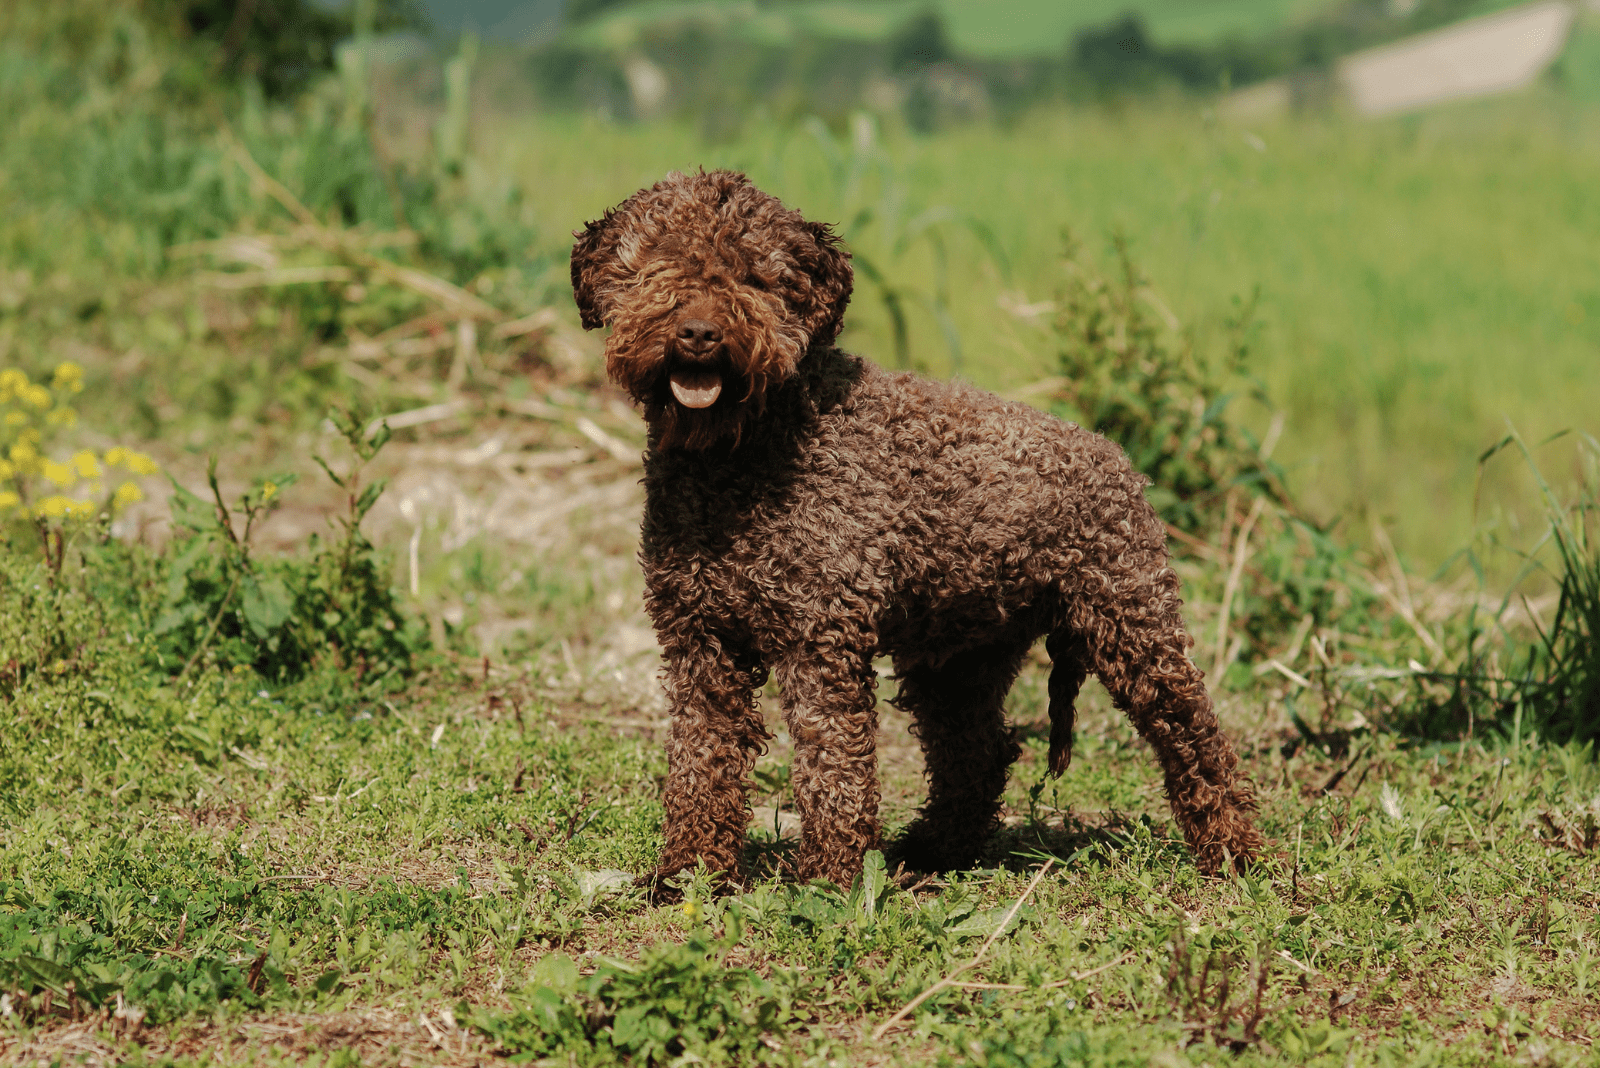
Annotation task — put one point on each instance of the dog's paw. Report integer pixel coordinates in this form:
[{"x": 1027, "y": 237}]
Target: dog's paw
[
  {"x": 673, "y": 886},
  {"x": 657, "y": 890}
]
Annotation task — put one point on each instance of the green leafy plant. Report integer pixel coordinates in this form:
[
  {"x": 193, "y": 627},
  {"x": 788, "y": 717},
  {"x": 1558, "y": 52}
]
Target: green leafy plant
[
  {"x": 681, "y": 1003},
  {"x": 1569, "y": 649},
  {"x": 214, "y": 590},
  {"x": 283, "y": 617},
  {"x": 345, "y": 589}
]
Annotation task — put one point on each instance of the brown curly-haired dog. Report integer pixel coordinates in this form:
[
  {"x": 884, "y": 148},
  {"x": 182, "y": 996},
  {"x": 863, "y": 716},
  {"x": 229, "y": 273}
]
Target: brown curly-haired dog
[{"x": 806, "y": 512}]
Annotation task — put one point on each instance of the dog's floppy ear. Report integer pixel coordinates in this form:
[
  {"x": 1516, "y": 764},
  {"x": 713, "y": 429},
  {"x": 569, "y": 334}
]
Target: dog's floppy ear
[
  {"x": 592, "y": 254},
  {"x": 832, "y": 280}
]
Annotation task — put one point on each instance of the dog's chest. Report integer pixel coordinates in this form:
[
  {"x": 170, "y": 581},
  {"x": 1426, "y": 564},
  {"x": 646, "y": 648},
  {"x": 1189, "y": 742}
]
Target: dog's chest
[{"x": 766, "y": 543}]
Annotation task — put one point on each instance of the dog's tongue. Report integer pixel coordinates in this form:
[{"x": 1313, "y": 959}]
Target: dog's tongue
[{"x": 696, "y": 389}]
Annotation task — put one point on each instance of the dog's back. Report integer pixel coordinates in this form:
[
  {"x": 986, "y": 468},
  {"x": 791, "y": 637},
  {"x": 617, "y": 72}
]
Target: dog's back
[{"x": 937, "y": 510}]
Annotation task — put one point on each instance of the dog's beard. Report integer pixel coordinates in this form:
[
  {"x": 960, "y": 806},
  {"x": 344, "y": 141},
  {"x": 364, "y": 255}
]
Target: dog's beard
[
  {"x": 693, "y": 401},
  {"x": 691, "y": 404}
]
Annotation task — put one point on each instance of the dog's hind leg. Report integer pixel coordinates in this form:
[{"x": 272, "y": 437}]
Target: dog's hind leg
[
  {"x": 716, "y": 734},
  {"x": 1143, "y": 661},
  {"x": 830, "y": 708},
  {"x": 958, "y": 714}
]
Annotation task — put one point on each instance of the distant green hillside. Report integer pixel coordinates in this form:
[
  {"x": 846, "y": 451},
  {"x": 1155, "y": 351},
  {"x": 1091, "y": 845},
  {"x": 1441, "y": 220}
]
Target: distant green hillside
[
  {"x": 1005, "y": 29},
  {"x": 976, "y": 29}
]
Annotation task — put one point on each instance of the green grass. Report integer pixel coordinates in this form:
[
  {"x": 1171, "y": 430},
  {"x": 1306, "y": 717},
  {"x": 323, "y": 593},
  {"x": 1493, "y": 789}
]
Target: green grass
[
  {"x": 230, "y": 857},
  {"x": 1423, "y": 280}
]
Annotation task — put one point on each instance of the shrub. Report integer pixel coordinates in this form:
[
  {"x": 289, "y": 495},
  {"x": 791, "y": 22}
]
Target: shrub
[{"x": 1144, "y": 384}]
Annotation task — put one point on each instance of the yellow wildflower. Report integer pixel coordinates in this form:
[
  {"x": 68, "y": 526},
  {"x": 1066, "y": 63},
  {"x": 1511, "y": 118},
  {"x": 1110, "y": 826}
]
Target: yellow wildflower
[
  {"x": 126, "y": 494},
  {"x": 31, "y": 435},
  {"x": 60, "y": 474},
  {"x": 25, "y": 458},
  {"x": 85, "y": 464},
  {"x": 12, "y": 381},
  {"x": 56, "y": 507},
  {"x": 35, "y": 396},
  {"x": 140, "y": 464},
  {"x": 8, "y": 500},
  {"x": 16, "y": 418},
  {"x": 69, "y": 376},
  {"x": 62, "y": 416},
  {"x": 269, "y": 490},
  {"x": 137, "y": 462},
  {"x": 7, "y": 470},
  {"x": 691, "y": 909}
]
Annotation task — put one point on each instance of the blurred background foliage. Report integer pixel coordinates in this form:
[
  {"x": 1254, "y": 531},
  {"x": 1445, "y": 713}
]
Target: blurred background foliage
[{"x": 938, "y": 63}]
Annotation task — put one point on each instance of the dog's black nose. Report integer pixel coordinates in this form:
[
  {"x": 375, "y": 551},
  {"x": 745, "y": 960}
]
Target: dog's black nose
[{"x": 698, "y": 336}]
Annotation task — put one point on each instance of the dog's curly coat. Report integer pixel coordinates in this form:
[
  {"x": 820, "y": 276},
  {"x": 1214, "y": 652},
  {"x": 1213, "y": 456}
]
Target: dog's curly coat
[{"x": 806, "y": 512}]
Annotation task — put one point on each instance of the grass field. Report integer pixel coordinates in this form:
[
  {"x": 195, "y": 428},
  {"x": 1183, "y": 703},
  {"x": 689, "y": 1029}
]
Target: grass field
[
  {"x": 1008, "y": 28},
  {"x": 243, "y": 874},
  {"x": 1423, "y": 281},
  {"x": 266, "y": 799}
]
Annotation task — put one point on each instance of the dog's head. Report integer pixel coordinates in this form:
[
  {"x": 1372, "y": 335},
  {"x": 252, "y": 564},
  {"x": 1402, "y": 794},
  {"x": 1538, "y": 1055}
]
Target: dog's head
[{"x": 714, "y": 292}]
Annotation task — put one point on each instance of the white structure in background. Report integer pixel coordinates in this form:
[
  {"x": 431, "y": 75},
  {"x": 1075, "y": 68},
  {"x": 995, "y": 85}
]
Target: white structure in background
[{"x": 1492, "y": 54}]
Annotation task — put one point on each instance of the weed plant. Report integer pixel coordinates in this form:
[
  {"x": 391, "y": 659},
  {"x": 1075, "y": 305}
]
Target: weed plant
[
  {"x": 1544, "y": 682},
  {"x": 680, "y": 1002},
  {"x": 332, "y": 608}
]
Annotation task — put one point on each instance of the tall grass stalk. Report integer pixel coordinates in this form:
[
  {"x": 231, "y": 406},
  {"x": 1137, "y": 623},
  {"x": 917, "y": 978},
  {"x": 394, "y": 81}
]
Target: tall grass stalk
[{"x": 1564, "y": 664}]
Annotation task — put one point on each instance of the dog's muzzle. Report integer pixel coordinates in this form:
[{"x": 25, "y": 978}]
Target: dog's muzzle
[{"x": 696, "y": 383}]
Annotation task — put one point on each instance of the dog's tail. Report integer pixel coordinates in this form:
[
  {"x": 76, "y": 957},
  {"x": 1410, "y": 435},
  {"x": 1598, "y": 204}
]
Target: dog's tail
[{"x": 1069, "y": 666}]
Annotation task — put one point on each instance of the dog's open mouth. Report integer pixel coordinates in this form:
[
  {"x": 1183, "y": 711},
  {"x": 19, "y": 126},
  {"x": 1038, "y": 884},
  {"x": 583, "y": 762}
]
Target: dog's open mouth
[{"x": 696, "y": 389}]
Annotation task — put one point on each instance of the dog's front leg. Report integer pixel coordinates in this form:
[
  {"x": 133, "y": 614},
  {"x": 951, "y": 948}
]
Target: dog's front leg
[
  {"x": 715, "y": 737},
  {"x": 830, "y": 709}
]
